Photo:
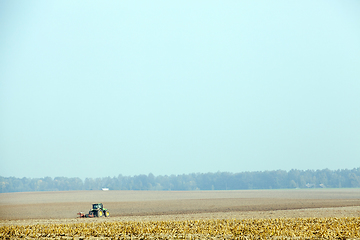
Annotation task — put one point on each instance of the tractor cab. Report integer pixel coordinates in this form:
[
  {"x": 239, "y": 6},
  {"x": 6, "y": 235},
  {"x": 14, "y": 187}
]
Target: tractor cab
[{"x": 97, "y": 206}]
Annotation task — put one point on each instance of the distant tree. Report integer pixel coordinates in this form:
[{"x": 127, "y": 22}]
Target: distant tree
[{"x": 194, "y": 181}]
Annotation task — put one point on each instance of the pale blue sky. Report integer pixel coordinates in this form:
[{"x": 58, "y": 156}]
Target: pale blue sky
[{"x": 101, "y": 88}]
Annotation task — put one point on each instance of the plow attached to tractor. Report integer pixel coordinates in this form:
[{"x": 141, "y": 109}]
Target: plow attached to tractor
[{"x": 97, "y": 210}]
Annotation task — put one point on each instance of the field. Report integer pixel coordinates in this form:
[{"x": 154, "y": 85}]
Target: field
[{"x": 338, "y": 208}]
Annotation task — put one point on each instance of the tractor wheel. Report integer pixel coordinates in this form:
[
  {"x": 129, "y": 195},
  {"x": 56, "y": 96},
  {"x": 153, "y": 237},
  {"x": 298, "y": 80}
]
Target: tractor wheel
[
  {"x": 100, "y": 213},
  {"x": 106, "y": 213}
]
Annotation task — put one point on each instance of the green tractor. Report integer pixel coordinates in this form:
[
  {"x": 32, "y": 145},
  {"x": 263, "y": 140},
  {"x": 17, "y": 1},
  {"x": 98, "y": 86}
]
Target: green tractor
[{"x": 98, "y": 210}]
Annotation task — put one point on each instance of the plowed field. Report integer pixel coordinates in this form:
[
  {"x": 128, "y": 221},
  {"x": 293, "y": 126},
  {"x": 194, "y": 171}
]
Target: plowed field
[{"x": 62, "y": 207}]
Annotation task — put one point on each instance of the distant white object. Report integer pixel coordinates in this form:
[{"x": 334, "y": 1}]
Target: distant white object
[{"x": 105, "y": 189}]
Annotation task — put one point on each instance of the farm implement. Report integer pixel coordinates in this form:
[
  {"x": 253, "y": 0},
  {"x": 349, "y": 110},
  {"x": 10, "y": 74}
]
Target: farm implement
[{"x": 97, "y": 210}]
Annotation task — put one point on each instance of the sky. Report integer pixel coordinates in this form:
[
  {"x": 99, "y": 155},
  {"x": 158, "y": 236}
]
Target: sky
[{"x": 102, "y": 88}]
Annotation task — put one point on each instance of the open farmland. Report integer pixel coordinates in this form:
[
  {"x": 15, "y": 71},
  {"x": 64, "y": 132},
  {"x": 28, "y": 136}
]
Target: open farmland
[{"x": 335, "y": 206}]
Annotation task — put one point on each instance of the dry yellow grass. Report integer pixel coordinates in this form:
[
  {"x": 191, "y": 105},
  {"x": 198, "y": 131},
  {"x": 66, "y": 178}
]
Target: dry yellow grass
[{"x": 288, "y": 228}]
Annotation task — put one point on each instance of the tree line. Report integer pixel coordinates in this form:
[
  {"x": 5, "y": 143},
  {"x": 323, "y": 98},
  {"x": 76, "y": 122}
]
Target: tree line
[{"x": 278, "y": 179}]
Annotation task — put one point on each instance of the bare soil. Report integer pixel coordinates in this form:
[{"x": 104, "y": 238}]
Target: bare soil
[{"x": 62, "y": 207}]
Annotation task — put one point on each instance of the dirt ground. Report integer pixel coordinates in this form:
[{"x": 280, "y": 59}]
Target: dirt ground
[{"x": 62, "y": 207}]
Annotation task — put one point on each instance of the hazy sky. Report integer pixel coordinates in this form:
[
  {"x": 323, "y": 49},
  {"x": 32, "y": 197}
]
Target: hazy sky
[{"x": 102, "y": 88}]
